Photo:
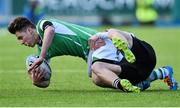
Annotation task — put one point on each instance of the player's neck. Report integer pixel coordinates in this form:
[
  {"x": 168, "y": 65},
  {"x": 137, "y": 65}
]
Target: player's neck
[{"x": 39, "y": 42}]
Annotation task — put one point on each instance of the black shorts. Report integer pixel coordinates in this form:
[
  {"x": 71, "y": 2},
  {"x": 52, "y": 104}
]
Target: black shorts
[
  {"x": 142, "y": 67},
  {"x": 144, "y": 64}
]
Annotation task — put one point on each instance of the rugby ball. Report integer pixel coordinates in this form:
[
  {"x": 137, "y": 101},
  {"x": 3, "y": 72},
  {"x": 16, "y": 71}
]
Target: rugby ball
[{"x": 45, "y": 67}]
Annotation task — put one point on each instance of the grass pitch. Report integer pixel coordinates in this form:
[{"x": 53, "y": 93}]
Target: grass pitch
[{"x": 70, "y": 85}]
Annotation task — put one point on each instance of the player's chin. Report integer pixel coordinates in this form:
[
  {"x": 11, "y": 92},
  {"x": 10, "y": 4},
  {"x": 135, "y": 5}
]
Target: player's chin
[
  {"x": 42, "y": 84},
  {"x": 33, "y": 45}
]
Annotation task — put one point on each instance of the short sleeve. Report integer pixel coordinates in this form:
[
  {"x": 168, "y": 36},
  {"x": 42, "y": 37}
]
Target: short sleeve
[{"x": 44, "y": 24}]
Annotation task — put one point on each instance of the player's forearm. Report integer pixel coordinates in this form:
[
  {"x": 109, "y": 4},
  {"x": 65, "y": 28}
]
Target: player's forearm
[
  {"x": 125, "y": 36},
  {"x": 117, "y": 33},
  {"x": 111, "y": 33},
  {"x": 47, "y": 40}
]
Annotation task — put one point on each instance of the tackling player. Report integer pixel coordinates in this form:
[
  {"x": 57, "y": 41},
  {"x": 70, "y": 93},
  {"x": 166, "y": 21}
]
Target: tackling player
[{"x": 132, "y": 59}]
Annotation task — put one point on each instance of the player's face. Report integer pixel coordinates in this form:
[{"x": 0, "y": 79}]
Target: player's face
[{"x": 27, "y": 37}]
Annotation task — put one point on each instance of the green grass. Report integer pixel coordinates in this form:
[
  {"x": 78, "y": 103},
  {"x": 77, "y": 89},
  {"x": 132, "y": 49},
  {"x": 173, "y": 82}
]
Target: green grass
[{"x": 70, "y": 85}]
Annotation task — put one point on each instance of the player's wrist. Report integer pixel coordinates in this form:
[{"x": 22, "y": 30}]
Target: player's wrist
[
  {"x": 42, "y": 56},
  {"x": 42, "y": 59}
]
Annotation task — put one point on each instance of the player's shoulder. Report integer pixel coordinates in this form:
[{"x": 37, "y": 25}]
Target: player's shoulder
[{"x": 43, "y": 22}]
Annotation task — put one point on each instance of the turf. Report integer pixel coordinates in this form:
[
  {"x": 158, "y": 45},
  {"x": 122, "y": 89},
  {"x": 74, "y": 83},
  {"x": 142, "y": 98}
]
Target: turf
[{"x": 70, "y": 85}]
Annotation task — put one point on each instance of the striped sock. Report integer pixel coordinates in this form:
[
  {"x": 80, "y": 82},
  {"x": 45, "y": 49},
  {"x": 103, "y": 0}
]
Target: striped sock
[
  {"x": 116, "y": 84},
  {"x": 159, "y": 73}
]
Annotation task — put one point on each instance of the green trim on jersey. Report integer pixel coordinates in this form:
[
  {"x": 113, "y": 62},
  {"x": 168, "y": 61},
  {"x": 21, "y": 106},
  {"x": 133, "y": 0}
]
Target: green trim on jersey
[{"x": 69, "y": 39}]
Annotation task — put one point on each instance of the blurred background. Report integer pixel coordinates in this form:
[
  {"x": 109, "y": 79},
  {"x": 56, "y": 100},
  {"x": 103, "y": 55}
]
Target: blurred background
[{"x": 95, "y": 12}]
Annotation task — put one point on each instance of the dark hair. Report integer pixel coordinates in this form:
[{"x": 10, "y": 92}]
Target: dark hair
[{"x": 19, "y": 24}]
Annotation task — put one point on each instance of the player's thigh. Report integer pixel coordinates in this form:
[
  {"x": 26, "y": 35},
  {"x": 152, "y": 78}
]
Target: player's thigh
[{"x": 99, "y": 66}]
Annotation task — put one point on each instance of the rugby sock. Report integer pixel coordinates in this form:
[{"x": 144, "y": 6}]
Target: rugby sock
[
  {"x": 116, "y": 84},
  {"x": 159, "y": 73}
]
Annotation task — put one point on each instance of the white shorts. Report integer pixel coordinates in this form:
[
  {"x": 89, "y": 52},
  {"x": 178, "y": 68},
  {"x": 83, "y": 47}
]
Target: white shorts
[{"x": 108, "y": 51}]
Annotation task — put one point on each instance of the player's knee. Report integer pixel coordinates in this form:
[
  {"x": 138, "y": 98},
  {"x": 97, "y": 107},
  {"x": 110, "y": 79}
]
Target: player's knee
[{"x": 96, "y": 80}]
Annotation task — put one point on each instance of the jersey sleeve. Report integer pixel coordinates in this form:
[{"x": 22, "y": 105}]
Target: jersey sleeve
[{"x": 44, "y": 24}]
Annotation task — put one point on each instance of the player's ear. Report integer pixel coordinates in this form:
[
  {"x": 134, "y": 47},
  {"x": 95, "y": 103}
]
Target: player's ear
[{"x": 29, "y": 30}]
